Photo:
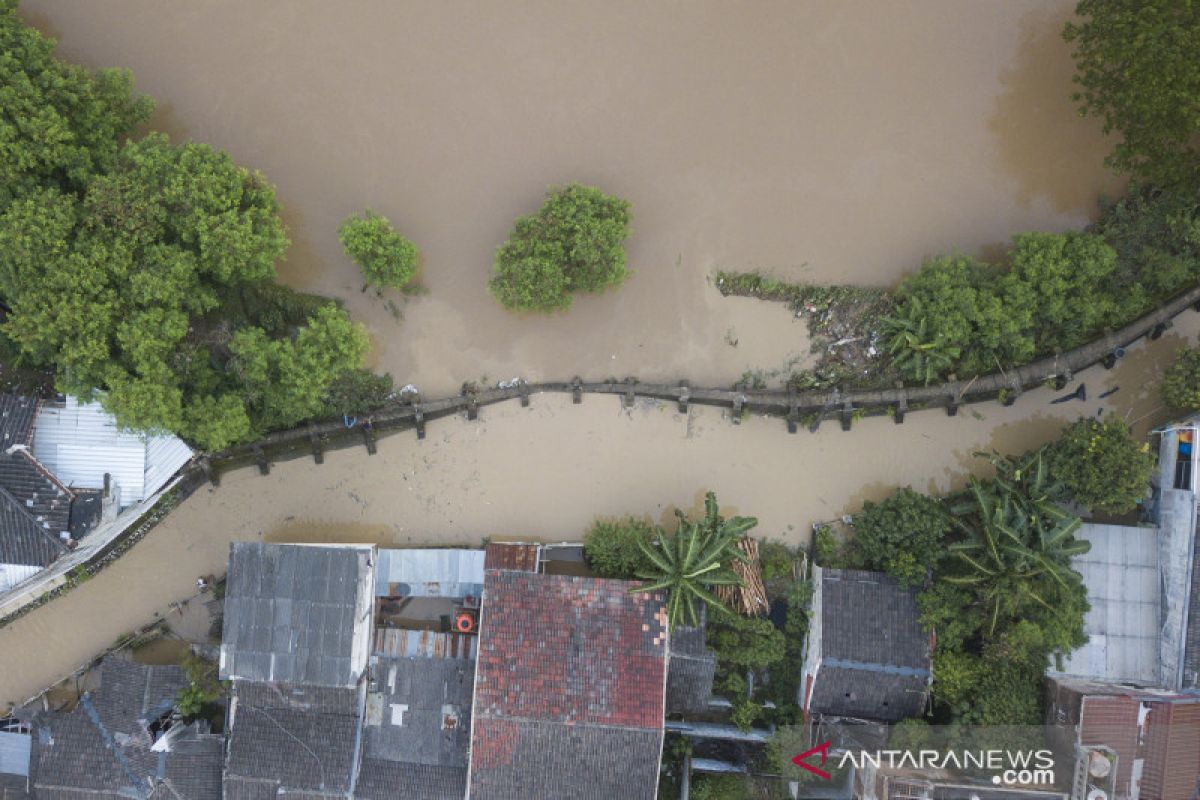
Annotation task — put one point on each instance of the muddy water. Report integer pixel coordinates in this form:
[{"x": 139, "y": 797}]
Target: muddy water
[
  {"x": 544, "y": 473},
  {"x": 834, "y": 141}
]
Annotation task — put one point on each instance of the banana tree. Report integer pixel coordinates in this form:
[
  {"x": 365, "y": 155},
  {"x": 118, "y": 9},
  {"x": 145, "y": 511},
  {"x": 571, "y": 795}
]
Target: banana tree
[
  {"x": 1017, "y": 544},
  {"x": 915, "y": 352},
  {"x": 695, "y": 559}
]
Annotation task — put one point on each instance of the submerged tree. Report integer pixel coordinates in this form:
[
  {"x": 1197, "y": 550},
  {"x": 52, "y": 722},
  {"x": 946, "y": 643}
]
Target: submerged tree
[
  {"x": 1181, "y": 383},
  {"x": 695, "y": 559},
  {"x": 1136, "y": 66},
  {"x": 386, "y": 258},
  {"x": 575, "y": 242},
  {"x": 1102, "y": 466}
]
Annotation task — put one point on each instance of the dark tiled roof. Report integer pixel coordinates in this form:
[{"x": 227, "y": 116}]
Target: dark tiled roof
[
  {"x": 875, "y": 658},
  {"x": 509, "y": 555},
  {"x": 102, "y": 747},
  {"x": 391, "y": 780},
  {"x": 23, "y": 540},
  {"x": 16, "y": 787},
  {"x": 290, "y": 613},
  {"x": 47, "y": 500},
  {"x": 17, "y": 414},
  {"x": 519, "y": 759},
  {"x": 301, "y": 739},
  {"x": 435, "y": 727},
  {"x": 569, "y": 690},
  {"x": 690, "y": 671}
]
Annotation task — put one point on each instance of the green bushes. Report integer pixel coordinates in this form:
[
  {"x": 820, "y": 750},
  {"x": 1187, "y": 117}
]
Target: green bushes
[
  {"x": 387, "y": 259},
  {"x": 612, "y": 547},
  {"x": 575, "y": 242},
  {"x": 1136, "y": 67},
  {"x": 1101, "y": 465},
  {"x": 1181, "y": 383},
  {"x": 902, "y": 536}
]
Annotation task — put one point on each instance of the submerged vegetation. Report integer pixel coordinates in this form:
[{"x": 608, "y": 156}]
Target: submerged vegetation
[
  {"x": 574, "y": 243},
  {"x": 387, "y": 259},
  {"x": 143, "y": 271}
]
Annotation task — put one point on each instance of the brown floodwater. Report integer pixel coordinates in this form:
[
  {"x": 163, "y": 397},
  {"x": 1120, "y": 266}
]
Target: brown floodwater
[
  {"x": 836, "y": 141},
  {"x": 832, "y": 141}
]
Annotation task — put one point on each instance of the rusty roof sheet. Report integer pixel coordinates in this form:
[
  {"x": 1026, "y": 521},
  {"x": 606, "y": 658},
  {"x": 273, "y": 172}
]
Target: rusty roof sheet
[{"x": 512, "y": 555}]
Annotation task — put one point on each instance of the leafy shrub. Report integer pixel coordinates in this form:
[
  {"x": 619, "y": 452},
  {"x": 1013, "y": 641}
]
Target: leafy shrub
[
  {"x": 745, "y": 643},
  {"x": 575, "y": 242},
  {"x": 611, "y": 547},
  {"x": 1181, "y": 383},
  {"x": 203, "y": 687},
  {"x": 386, "y": 258},
  {"x": 902, "y": 536},
  {"x": 1102, "y": 465}
]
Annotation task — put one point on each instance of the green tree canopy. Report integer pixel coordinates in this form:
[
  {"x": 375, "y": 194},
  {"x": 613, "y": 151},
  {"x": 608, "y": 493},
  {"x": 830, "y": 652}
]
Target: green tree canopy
[
  {"x": 126, "y": 290},
  {"x": 60, "y": 123},
  {"x": 613, "y": 547},
  {"x": 386, "y": 258},
  {"x": 1181, "y": 383},
  {"x": 902, "y": 536},
  {"x": 1102, "y": 465},
  {"x": 1137, "y": 70},
  {"x": 575, "y": 242}
]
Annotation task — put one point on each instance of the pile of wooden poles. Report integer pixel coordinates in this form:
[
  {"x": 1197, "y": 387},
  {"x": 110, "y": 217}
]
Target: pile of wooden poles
[{"x": 750, "y": 598}]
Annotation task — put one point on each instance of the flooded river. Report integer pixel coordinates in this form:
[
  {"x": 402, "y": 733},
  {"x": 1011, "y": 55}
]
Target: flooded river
[
  {"x": 833, "y": 141},
  {"x": 836, "y": 141}
]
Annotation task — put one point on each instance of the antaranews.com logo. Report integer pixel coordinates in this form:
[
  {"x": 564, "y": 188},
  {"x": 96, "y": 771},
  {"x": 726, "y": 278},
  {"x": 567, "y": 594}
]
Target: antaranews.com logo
[{"x": 1009, "y": 767}]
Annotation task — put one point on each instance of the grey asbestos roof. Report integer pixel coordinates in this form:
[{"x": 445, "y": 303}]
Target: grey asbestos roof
[
  {"x": 390, "y": 780},
  {"x": 292, "y": 614},
  {"x": 875, "y": 658},
  {"x": 690, "y": 671},
  {"x": 292, "y": 739},
  {"x": 102, "y": 747},
  {"x": 435, "y": 572},
  {"x": 13, "y": 787},
  {"x": 419, "y": 711}
]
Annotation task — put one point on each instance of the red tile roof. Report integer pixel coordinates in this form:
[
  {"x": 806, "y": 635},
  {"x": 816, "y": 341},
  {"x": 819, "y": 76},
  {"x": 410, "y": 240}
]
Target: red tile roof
[
  {"x": 1112, "y": 721},
  {"x": 569, "y": 688},
  {"x": 1172, "y": 750}
]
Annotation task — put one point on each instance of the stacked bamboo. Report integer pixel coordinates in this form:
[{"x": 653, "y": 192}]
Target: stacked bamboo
[{"x": 750, "y": 598}]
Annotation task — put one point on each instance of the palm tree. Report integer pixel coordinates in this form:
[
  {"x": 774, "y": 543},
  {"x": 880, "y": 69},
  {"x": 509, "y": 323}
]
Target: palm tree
[
  {"x": 693, "y": 560},
  {"x": 1018, "y": 541}
]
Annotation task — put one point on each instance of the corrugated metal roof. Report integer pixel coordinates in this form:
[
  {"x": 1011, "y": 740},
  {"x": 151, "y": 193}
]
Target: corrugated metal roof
[
  {"x": 429, "y": 573},
  {"x": 80, "y": 442},
  {"x": 14, "y": 753},
  {"x": 1122, "y": 576},
  {"x": 406, "y": 643},
  {"x": 297, "y": 614}
]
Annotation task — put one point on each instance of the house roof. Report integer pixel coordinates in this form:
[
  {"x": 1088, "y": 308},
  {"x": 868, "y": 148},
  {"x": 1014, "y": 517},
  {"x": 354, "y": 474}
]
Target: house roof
[
  {"x": 512, "y": 555},
  {"x": 379, "y": 779},
  {"x": 1124, "y": 588},
  {"x": 289, "y": 738},
  {"x": 690, "y": 671},
  {"x": 419, "y": 711},
  {"x": 16, "y": 420},
  {"x": 103, "y": 747},
  {"x": 24, "y": 540},
  {"x": 875, "y": 657},
  {"x": 297, "y": 613},
  {"x": 434, "y": 572},
  {"x": 80, "y": 442},
  {"x": 570, "y": 688}
]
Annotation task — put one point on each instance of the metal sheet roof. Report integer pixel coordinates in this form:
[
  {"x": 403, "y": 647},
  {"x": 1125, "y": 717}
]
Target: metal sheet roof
[
  {"x": 429, "y": 573},
  {"x": 297, "y": 614},
  {"x": 1121, "y": 573},
  {"x": 80, "y": 442},
  {"x": 14, "y": 753}
]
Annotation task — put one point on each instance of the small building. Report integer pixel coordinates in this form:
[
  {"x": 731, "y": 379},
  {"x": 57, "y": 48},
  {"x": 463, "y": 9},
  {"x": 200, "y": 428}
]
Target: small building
[
  {"x": 867, "y": 656},
  {"x": 691, "y": 669},
  {"x": 36, "y": 508},
  {"x": 1128, "y": 743},
  {"x": 298, "y": 614},
  {"x": 81, "y": 444},
  {"x": 1134, "y": 609},
  {"x": 570, "y": 688},
  {"x": 124, "y": 742}
]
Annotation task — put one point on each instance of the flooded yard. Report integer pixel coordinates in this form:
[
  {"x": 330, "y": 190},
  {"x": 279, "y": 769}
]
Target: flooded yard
[{"x": 835, "y": 141}]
